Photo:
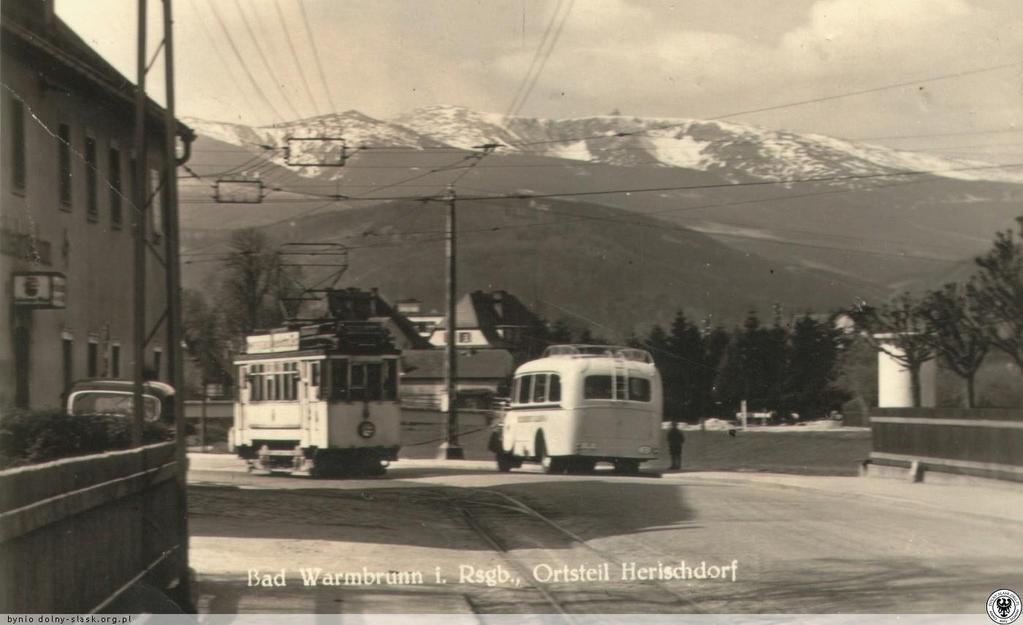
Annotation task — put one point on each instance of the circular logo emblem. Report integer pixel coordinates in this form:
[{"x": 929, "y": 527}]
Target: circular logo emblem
[
  {"x": 367, "y": 429},
  {"x": 1003, "y": 606}
]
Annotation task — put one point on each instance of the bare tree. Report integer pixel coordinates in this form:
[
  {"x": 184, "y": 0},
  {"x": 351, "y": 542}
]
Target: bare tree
[
  {"x": 899, "y": 330},
  {"x": 252, "y": 279},
  {"x": 998, "y": 291},
  {"x": 958, "y": 332}
]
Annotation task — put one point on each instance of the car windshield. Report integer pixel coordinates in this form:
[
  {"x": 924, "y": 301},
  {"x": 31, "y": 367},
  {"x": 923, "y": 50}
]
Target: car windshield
[{"x": 106, "y": 402}]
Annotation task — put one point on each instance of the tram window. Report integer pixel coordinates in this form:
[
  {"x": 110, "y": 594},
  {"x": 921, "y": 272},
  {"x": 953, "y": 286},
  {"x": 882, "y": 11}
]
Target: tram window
[
  {"x": 339, "y": 379},
  {"x": 540, "y": 388},
  {"x": 358, "y": 382},
  {"x": 374, "y": 381},
  {"x": 314, "y": 381},
  {"x": 639, "y": 389},
  {"x": 597, "y": 387},
  {"x": 391, "y": 380},
  {"x": 554, "y": 391}
]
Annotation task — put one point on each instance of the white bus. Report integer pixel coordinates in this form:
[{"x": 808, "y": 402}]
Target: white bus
[
  {"x": 321, "y": 399},
  {"x": 579, "y": 405}
]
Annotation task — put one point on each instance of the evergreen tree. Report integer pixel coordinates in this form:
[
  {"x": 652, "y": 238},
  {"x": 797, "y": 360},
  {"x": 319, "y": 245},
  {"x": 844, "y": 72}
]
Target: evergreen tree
[{"x": 809, "y": 386}]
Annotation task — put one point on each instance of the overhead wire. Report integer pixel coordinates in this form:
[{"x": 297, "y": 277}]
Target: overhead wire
[
  {"x": 294, "y": 56},
  {"x": 316, "y": 56},
  {"x": 241, "y": 61},
  {"x": 269, "y": 69}
]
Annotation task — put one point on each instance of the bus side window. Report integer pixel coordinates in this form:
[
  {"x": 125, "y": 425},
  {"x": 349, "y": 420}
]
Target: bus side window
[
  {"x": 597, "y": 387},
  {"x": 540, "y": 388},
  {"x": 524, "y": 390},
  {"x": 639, "y": 389},
  {"x": 554, "y": 390}
]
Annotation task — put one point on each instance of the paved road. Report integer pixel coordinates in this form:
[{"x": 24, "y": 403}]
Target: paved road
[{"x": 482, "y": 541}]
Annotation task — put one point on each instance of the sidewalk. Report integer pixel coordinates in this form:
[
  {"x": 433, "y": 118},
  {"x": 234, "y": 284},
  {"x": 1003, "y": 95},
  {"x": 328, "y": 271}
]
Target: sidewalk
[{"x": 996, "y": 501}]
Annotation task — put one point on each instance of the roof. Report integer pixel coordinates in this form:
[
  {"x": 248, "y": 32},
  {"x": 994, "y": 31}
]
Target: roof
[
  {"x": 489, "y": 311},
  {"x": 428, "y": 364},
  {"x": 159, "y": 389},
  {"x": 31, "y": 27}
]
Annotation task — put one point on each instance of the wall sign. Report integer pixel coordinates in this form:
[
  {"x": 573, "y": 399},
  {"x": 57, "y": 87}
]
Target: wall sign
[{"x": 40, "y": 289}]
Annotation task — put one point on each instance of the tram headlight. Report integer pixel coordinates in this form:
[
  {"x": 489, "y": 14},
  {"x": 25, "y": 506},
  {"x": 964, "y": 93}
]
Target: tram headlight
[
  {"x": 646, "y": 450},
  {"x": 367, "y": 429}
]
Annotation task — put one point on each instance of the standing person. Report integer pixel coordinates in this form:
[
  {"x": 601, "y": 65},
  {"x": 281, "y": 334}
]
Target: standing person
[{"x": 675, "y": 440}]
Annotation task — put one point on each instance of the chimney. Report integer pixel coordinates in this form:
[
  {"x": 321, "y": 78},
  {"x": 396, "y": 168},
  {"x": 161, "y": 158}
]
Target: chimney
[{"x": 48, "y": 11}]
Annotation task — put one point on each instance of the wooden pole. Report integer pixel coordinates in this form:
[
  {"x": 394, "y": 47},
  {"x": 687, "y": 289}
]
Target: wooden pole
[
  {"x": 451, "y": 449},
  {"x": 140, "y": 212}
]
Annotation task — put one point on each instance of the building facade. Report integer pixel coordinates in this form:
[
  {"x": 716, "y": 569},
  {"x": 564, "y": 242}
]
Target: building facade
[{"x": 67, "y": 214}]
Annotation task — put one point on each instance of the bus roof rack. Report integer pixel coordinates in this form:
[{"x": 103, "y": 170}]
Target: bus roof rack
[{"x": 600, "y": 351}]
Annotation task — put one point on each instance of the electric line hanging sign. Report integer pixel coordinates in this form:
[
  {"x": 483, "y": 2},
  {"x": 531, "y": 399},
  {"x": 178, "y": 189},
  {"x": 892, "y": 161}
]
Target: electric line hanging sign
[
  {"x": 315, "y": 152},
  {"x": 239, "y": 191},
  {"x": 41, "y": 289}
]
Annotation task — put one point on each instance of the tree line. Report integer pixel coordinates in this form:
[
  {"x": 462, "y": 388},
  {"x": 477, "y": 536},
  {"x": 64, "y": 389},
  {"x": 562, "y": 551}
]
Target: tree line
[
  {"x": 806, "y": 365},
  {"x": 958, "y": 324}
]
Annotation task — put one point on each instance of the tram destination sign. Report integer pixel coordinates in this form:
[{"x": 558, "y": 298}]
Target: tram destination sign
[{"x": 272, "y": 342}]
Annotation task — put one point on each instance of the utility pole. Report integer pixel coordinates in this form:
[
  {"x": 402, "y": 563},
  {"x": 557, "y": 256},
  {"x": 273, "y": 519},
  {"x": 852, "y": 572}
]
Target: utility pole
[
  {"x": 140, "y": 201},
  {"x": 450, "y": 449},
  {"x": 175, "y": 360}
]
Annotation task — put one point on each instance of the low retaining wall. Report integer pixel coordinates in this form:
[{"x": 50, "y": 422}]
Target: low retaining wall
[
  {"x": 75, "y": 532},
  {"x": 981, "y": 442}
]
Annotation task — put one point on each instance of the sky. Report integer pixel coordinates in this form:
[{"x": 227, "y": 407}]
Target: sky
[{"x": 699, "y": 59}]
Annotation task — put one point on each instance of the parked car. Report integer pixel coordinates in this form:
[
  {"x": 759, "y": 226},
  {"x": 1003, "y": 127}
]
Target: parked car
[{"x": 105, "y": 396}]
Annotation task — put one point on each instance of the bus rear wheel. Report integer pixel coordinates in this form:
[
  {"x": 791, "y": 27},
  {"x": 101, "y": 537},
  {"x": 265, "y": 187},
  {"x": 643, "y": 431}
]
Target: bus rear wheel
[
  {"x": 625, "y": 465},
  {"x": 581, "y": 465},
  {"x": 550, "y": 464}
]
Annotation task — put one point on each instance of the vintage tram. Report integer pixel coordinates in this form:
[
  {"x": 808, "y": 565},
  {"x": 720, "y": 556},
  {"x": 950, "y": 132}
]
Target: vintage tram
[{"x": 320, "y": 398}]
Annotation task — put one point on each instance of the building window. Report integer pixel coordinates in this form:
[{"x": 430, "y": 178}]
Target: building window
[
  {"x": 92, "y": 359},
  {"x": 19, "y": 168},
  {"x": 114, "y": 175},
  {"x": 67, "y": 358},
  {"x": 91, "y": 180},
  {"x": 115, "y": 360},
  {"x": 157, "y": 362},
  {"x": 465, "y": 337},
  {"x": 64, "y": 164}
]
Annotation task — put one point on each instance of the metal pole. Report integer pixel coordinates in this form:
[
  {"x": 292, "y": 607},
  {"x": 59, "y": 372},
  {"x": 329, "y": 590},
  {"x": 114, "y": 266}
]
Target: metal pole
[
  {"x": 140, "y": 197},
  {"x": 175, "y": 362},
  {"x": 450, "y": 449}
]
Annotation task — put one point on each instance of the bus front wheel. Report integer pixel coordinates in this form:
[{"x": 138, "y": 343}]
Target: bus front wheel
[{"x": 504, "y": 462}]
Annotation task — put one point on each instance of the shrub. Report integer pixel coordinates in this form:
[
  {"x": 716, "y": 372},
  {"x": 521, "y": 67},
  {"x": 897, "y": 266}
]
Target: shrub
[{"x": 28, "y": 437}]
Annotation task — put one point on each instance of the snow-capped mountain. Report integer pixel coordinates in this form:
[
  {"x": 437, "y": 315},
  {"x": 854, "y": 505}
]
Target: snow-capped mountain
[{"x": 736, "y": 152}]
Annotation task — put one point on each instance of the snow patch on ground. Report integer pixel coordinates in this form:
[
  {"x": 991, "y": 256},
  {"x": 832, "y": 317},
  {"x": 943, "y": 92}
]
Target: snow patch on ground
[
  {"x": 576, "y": 151},
  {"x": 683, "y": 151}
]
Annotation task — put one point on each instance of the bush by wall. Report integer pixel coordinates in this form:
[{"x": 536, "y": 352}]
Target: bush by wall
[{"x": 28, "y": 437}]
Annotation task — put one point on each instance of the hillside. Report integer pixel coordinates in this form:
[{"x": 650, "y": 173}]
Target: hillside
[
  {"x": 583, "y": 262},
  {"x": 800, "y": 200}
]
